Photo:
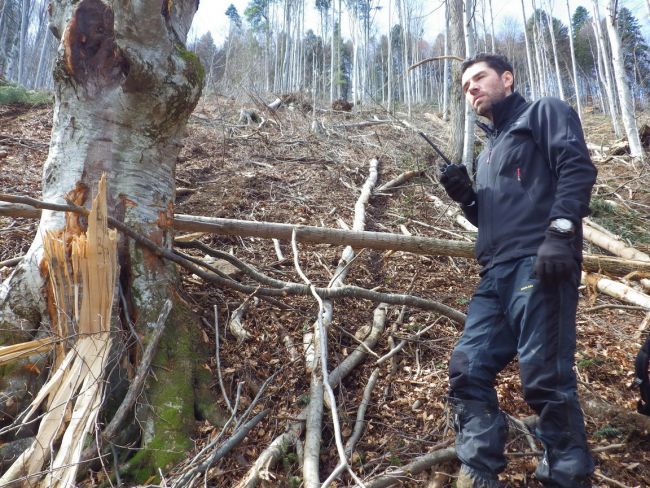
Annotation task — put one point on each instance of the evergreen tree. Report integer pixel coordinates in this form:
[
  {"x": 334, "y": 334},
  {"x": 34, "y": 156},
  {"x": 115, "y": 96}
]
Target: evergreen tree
[
  {"x": 233, "y": 15},
  {"x": 636, "y": 53}
]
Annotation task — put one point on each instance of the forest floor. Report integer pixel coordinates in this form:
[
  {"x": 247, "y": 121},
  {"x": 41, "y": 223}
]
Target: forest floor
[{"x": 278, "y": 170}]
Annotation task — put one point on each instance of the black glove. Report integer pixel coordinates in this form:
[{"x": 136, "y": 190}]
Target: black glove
[
  {"x": 457, "y": 184},
  {"x": 556, "y": 258}
]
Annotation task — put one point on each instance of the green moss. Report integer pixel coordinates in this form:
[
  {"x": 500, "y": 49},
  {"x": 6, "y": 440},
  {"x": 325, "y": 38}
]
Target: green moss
[
  {"x": 170, "y": 422},
  {"x": 194, "y": 70},
  {"x": 17, "y": 94},
  {"x": 206, "y": 401}
]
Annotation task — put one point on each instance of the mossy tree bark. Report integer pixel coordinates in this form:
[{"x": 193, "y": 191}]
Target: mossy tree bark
[{"x": 124, "y": 88}]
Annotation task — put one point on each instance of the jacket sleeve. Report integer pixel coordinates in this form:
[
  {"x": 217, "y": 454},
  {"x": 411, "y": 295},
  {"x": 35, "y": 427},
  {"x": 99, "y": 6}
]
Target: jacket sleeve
[
  {"x": 471, "y": 212},
  {"x": 558, "y": 133}
]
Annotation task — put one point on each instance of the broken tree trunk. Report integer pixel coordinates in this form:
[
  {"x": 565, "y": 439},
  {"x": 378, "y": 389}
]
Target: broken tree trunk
[
  {"x": 75, "y": 390},
  {"x": 122, "y": 98}
]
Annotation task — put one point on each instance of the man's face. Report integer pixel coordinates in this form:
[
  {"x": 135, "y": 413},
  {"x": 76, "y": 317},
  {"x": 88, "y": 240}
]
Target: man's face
[{"x": 483, "y": 87}]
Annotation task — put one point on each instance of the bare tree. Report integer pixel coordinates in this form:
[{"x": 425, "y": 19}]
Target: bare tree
[
  {"x": 457, "y": 100},
  {"x": 445, "y": 75},
  {"x": 608, "y": 81},
  {"x": 529, "y": 57},
  {"x": 623, "y": 89},
  {"x": 492, "y": 27},
  {"x": 556, "y": 60},
  {"x": 573, "y": 63},
  {"x": 470, "y": 116}
]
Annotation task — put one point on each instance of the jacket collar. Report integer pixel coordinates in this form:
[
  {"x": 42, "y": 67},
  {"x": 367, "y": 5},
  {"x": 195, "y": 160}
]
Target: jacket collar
[{"x": 503, "y": 112}]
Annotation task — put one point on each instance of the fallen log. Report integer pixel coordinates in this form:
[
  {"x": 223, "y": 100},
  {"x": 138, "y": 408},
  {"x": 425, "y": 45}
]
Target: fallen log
[
  {"x": 322, "y": 235},
  {"x": 615, "y": 246},
  {"x": 616, "y": 290}
]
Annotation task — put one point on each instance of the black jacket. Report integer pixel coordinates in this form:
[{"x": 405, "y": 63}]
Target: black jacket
[{"x": 535, "y": 168}]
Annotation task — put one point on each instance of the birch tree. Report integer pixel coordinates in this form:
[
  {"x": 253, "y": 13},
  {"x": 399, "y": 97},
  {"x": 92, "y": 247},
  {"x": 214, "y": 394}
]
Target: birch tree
[
  {"x": 529, "y": 57},
  {"x": 457, "y": 99},
  {"x": 123, "y": 96},
  {"x": 556, "y": 60},
  {"x": 470, "y": 116},
  {"x": 576, "y": 82},
  {"x": 623, "y": 89},
  {"x": 494, "y": 49},
  {"x": 445, "y": 75}
]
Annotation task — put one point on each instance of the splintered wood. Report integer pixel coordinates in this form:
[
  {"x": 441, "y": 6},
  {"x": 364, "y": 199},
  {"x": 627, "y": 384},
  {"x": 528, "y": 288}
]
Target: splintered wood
[{"x": 83, "y": 281}]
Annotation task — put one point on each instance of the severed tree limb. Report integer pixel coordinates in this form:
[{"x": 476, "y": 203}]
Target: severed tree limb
[
  {"x": 523, "y": 428},
  {"x": 613, "y": 245},
  {"x": 224, "y": 448},
  {"x": 399, "y": 180},
  {"x": 416, "y": 466},
  {"x": 359, "y": 423},
  {"x": 290, "y": 289},
  {"x": 363, "y": 123},
  {"x": 453, "y": 212},
  {"x": 314, "y": 417},
  {"x": 10, "y": 263},
  {"x": 235, "y": 323},
  {"x": 315, "y": 412},
  {"x": 435, "y": 58},
  {"x": 616, "y": 290},
  {"x": 277, "y": 448},
  {"x": 347, "y": 257},
  {"x": 614, "y": 305},
  {"x": 320, "y": 235}
]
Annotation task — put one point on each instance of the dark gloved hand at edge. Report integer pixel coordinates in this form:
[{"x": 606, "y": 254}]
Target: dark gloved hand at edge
[
  {"x": 556, "y": 260},
  {"x": 457, "y": 184}
]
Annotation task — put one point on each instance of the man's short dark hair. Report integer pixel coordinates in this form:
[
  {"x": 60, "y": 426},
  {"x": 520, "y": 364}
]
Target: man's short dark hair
[{"x": 497, "y": 62}]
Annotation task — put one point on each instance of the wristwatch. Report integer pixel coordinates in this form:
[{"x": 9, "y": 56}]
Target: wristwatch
[{"x": 563, "y": 226}]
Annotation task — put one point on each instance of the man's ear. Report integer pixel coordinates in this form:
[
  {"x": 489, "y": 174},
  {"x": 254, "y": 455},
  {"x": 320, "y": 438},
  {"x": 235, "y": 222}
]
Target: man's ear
[{"x": 508, "y": 80}]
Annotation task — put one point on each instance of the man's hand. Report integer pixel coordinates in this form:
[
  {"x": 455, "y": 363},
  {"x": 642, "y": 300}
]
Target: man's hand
[
  {"x": 457, "y": 184},
  {"x": 556, "y": 258}
]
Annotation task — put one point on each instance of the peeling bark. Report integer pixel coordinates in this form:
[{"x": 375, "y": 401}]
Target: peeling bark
[{"x": 124, "y": 88}]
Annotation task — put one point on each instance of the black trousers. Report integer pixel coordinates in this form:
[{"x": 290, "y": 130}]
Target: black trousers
[{"x": 512, "y": 313}]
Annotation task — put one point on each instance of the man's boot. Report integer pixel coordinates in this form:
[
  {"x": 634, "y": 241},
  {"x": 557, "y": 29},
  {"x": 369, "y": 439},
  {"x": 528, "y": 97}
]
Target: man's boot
[{"x": 470, "y": 478}]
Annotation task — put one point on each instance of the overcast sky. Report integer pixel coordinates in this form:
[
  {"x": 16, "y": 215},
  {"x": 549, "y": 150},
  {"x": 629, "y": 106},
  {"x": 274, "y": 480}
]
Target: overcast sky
[{"x": 211, "y": 15}]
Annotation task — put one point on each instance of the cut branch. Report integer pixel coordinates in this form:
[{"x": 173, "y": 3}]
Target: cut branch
[
  {"x": 416, "y": 466},
  {"x": 617, "y": 290},
  {"x": 321, "y": 235}
]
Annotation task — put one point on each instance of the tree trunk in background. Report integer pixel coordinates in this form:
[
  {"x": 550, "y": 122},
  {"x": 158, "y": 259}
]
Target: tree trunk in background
[
  {"x": 42, "y": 40},
  {"x": 339, "y": 75},
  {"x": 494, "y": 49},
  {"x": 22, "y": 49},
  {"x": 576, "y": 84},
  {"x": 457, "y": 99},
  {"x": 389, "y": 66},
  {"x": 539, "y": 56},
  {"x": 470, "y": 116},
  {"x": 445, "y": 70},
  {"x": 555, "y": 56},
  {"x": 529, "y": 58},
  {"x": 604, "y": 56},
  {"x": 623, "y": 89},
  {"x": 406, "y": 77},
  {"x": 332, "y": 57},
  {"x": 122, "y": 98}
]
